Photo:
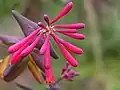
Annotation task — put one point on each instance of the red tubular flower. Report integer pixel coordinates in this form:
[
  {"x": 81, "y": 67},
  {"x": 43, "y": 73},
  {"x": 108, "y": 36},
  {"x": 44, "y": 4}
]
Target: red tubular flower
[
  {"x": 70, "y": 46},
  {"x": 66, "y": 54},
  {"x": 70, "y": 26},
  {"x": 73, "y": 48},
  {"x": 18, "y": 45},
  {"x": 75, "y": 35},
  {"x": 49, "y": 76},
  {"x": 26, "y": 46},
  {"x": 30, "y": 48},
  {"x": 65, "y": 10},
  {"x": 66, "y": 31},
  {"x": 46, "y": 18},
  {"x": 47, "y": 57},
  {"x": 41, "y": 25},
  {"x": 17, "y": 55},
  {"x": 47, "y": 65},
  {"x": 43, "y": 48}
]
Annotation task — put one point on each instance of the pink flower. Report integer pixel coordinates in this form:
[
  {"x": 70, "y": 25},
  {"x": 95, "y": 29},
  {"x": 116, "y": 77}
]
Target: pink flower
[
  {"x": 27, "y": 45},
  {"x": 65, "y": 10},
  {"x": 49, "y": 76},
  {"x": 68, "y": 73},
  {"x": 70, "y": 26}
]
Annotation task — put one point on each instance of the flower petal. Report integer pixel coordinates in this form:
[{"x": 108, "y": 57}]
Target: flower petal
[
  {"x": 73, "y": 48},
  {"x": 18, "y": 45},
  {"x": 66, "y": 31},
  {"x": 42, "y": 25},
  {"x": 70, "y": 46},
  {"x": 16, "y": 57},
  {"x": 70, "y": 75},
  {"x": 46, "y": 18},
  {"x": 48, "y": 70},
  {"x": 65, "y": 10},
  {"x": 28, "y": 27},
  {"x": 65, "y": 68},
  {"x": 70, "y": 26},
  {"x": 66, "y": 54},
  {"x": 30, "y": 48},
  {"x": 75, "y": 35},
  {"x": 49, "y": 76},
  {"x": 47, "y": 64},
  {"x": 43, "y": 48}
]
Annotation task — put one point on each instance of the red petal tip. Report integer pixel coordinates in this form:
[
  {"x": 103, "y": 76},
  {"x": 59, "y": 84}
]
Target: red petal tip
[
  {"x": 43, "y": 48},
  {"x": 70, "y": 26},
  {"x": 41, "y": 25},
  {"x": 46, "y": 18},
  {"x": 66, "y": 54},
  {"x": 64, "y": 11}
]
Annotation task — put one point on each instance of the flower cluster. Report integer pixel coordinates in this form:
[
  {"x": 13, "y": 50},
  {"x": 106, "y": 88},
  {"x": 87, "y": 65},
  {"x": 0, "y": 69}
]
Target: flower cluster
[
  {"x": 27, "y": 45},
  {"x": 68, "y": 73},
  {"x": 35, "y": 49}
]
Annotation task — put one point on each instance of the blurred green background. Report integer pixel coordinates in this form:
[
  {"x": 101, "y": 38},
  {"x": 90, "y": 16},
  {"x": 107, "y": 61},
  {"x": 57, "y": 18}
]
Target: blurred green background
[{"x": 99, "y": 65}]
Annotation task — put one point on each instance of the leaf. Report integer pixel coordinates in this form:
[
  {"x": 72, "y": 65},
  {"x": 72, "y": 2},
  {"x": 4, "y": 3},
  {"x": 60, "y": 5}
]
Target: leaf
[
  {"x": 9, "y": 40},
  {"x": 3, "y": 65},
  {"x": 13, "y": 71},
  {"x": 38, "y": 58},
  {"x": 36, "y": 72}
]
